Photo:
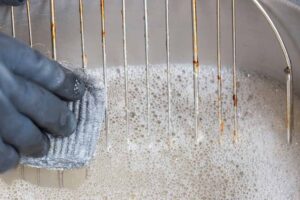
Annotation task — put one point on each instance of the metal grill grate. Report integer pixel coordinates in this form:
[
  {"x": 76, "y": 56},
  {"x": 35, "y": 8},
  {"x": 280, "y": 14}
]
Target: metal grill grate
[{"x": 196, "y": 66}]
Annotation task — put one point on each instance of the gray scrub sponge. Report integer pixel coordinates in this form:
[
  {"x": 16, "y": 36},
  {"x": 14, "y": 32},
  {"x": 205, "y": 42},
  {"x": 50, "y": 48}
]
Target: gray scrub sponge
[{"x": 78, "y": 149}]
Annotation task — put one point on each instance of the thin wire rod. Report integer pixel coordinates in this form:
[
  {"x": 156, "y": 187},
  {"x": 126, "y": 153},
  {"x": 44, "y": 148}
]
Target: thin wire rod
[
  {"x": 288, "y": 71},
  {"x": 29, "y": 22},
  {"x": 60, "y": 174},
  {"x": 53, "y": 29},
  {"x": 235, "y": 97},
  {"x": 13, "y": 25},
  {"x": 195, "y": 65},
  {"x": 30, "y": 43},
  {"x": 103, "y": 37},
  {"x": 147, "y": 64},
  {"x": 219, "y": 77},
  {"x": 125, "y": 67},
  {"x": 28, "y": 11},
  {"x": 13, "y": 33},
  {"x": 83, "y": 54},
  {"x": 168, "y": 71}
]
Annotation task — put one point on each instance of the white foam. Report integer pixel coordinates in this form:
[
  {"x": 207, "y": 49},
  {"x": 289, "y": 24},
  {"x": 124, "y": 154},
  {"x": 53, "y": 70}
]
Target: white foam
[{"x": 260, "y": 166}]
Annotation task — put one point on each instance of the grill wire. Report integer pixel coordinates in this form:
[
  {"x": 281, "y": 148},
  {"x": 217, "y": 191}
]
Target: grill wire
[
  {"x": 196, "y": 70},
  {"x": 234, "y": 95},
  {"x": 195, "y": 65},
  {"x": 125, "y": 67},
  {"x": 219, "y": 63}
]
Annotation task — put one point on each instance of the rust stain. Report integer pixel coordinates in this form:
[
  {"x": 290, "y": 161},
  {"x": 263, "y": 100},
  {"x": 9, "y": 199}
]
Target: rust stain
[
  {"x": 102, "y": 8},
  {"x": 222, "y": 127},
  {"x": 103, "y": 33},
  {"x": 235, "y": 100},
  {"x": 196, "y": 65},
  {"x": 53, "y": 28},
  {"x": 287, "y": 70}
]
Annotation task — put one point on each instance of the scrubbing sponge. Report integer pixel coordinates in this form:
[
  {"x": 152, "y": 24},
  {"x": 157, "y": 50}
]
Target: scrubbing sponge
[{"x": 78, "y": 149}]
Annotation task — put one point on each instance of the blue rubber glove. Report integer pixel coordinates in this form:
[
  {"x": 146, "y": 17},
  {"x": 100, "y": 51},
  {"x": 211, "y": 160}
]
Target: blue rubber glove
[
  {"x": 12, "y": 2},
  {"x": 32, "y": 90}
]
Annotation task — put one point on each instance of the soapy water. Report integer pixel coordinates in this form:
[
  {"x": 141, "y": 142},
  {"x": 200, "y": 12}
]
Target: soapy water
[{"x": 140, "y": 166}]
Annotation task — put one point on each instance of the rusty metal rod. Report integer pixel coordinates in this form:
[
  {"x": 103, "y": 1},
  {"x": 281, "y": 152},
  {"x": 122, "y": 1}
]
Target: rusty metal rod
[
  {"x": 219, "y": 76},
  {"x": 60, "y": 174},
  {"x": 83, "y": 54},
  {"x": 235, "y": 97},
  {"x": 103, "y": 38},
  {"x": 195, "y": 66},
  {"x": 53, "y": 29}
]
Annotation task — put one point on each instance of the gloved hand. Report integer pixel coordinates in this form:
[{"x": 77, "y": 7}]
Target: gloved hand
[
  {"x": 12, "y": 2},
  {"x": 31, "y": 91}
]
